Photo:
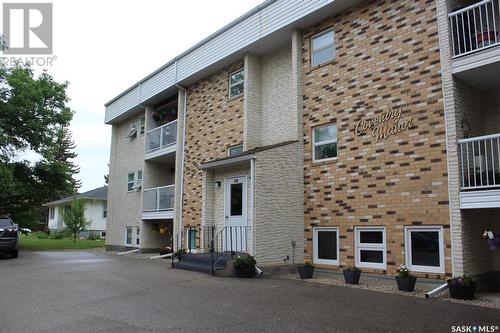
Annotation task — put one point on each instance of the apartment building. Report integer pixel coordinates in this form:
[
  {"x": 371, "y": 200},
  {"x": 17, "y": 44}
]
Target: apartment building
[
  {"x": 315, "y": 130},
  {"x": 470, "y": 58}
]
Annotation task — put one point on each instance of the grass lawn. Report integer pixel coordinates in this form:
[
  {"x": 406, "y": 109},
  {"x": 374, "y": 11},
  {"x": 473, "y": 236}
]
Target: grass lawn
[{"x": 30, "y": 243}]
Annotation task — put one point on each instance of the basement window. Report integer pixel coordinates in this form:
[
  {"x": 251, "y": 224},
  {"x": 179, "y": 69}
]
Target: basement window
[
  {"x": 128, "y": 236},
  {"x": 325, "y": 142},
  {"x": 326, "y": 246},
  {"x": 323, "y": 47},
  {"x": 236, "y": 84},
  {"x": 424, "y": 249},
  {"x": 371, "y": 247}
]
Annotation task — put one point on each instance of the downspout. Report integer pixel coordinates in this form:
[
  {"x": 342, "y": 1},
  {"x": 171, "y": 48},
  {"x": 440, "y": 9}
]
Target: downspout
[
  {"x": 252, "y": 203},
  {"x": 182, "y": 157}
]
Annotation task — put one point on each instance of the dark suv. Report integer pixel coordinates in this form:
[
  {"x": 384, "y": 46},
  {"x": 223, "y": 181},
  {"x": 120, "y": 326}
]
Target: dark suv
[{"x": 9, "y": 236}]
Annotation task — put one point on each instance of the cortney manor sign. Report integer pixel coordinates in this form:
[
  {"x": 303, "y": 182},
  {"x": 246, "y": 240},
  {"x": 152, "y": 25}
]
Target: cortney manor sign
[{"x": 384, "y": 126}]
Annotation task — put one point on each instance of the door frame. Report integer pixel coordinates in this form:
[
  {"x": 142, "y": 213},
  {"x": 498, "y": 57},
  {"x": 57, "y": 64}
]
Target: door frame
[{"x": 244, "y": 199}]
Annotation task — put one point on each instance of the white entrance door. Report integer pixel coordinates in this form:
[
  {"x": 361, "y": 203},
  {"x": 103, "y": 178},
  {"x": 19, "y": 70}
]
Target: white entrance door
[{"x": 235, "y": 233}]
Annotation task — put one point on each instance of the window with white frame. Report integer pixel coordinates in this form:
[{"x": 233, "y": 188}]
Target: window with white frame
[
  {"x": 234, "y": 150},
  {"x": 104, "y": 209},
  {"x": 142, "y": 125},
  {"x": 323, "y": 47},
  {"x": 371, "y": 247},
  {"x": 236, "y": 83},
  {"x": 326, "y": 246},
  {"x": 325, "y": 142},
  {"x": 128, "y": 235},
  {"x": 424, "y": 248},
  {"x": 132, "y": 130},
  {"x": 52, "y": 212},
  {"x": 134, "y": 180},
  {"x": 103, "y": 234}
]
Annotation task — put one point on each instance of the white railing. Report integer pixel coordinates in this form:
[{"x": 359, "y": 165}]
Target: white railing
[
  {"x": 475, "y": 27},
  {"x": 161, "y": 137},
  {"x": 159, "y": 199},
  {"x": 480, "y": 162}
]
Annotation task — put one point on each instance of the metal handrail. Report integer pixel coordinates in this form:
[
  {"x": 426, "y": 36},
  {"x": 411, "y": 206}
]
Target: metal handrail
[
  {"x": 158, "y": 198},
  {"x": 479, "y": 159},
  {"x": 229, "y": 240}
]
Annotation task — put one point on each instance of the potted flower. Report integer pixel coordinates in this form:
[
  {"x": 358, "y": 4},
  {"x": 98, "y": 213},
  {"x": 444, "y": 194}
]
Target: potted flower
[
  {"x": 405, "y": 280},
  {"x": 462, "y": 287},
  {"x": 178, "y": 254},
  {"x": 352, "y": 275},
  {"x": 492, "y": 239},
  {"x": 306, "y": 271},
  {"x": 244, "y": 266}
]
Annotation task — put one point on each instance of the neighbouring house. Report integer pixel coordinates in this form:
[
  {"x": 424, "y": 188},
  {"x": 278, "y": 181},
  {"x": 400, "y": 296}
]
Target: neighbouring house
[
  {"x": 342, "y": 132},
  {"x": 96, "y": 211}
]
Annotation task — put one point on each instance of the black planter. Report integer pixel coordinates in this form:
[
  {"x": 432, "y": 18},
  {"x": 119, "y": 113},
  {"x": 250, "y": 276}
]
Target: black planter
[
  {"x": 406, "y": 283},
  {"x": 460, "y": 291},
  {"x": 306, "y": 272},
  {"x": 245, "y": 272},
  {"x": 351, "y": 277}
]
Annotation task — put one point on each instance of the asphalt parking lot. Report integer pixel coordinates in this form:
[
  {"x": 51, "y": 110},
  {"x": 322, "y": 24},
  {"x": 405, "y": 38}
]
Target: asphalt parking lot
[{"x": 101, "y": 292}]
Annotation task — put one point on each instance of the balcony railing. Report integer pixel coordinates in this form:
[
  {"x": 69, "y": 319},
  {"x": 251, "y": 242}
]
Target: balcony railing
[
  {"x": 480, "y": 162},
  {"x": 159, "y": 199},
  {"x": 475, "y": 27},
  {"x": 161, "y": 137}
]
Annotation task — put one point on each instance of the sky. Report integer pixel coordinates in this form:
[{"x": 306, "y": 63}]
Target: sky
[{"x": 104, "y": 47}]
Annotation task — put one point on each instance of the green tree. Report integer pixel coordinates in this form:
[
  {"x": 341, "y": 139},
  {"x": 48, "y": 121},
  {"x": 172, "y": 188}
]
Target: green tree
[
  {"x": 74, "y": 218},
  {"x": 34, "y": 116}
]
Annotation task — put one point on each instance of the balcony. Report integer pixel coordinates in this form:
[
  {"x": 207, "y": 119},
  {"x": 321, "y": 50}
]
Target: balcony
[
  {"x": 480, "y": 172},
  {"x": 475, "y": 42},
  {"x": 158, "y": 203},
  {"x": 161, "y": 140}
]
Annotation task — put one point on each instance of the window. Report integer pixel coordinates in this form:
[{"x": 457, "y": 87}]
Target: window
[
  {"x": 137, "y": 236},
  {"x": 322, "y": 48},
  {"x": 5, "y": 222},
  {"x": 134, "y": 180},
  {"x": 52, "y": 212},
  {"x": 325, "y": 142},
  {"x": 130, "y": 181},
  {"x": 370, "y": 247},
  {"x": 103, "y": 234},
  {"x": 236, "y": 84},
  {"x": 142, "y": 127},
  {"x": 326, "y": 246},
  {"x": 104, "y": 209},
  {"x": 132, "y": 130},
  {"x": 128, "y": 236},
  {"x": 235, "y": 150},
  {"x": 424, "y": 249}
]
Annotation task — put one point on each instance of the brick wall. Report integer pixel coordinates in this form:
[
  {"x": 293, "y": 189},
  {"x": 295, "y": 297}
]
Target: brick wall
[
  {"x": 387, "y": 59},
  {"x": 213, "y": 123}
]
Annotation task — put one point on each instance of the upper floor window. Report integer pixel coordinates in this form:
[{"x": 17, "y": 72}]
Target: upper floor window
[
  {"x": 236, "y": 84},
  {"x": 142, "y": 128},
  {"x": 104, "y": 209},
  {"x": 132, "y": 130},
  {"x": 325, "y": 142},
  {"x": 134, "y": 181},
  {"x": 234, "y": 150},
  {"x": 323, "y": 48}
]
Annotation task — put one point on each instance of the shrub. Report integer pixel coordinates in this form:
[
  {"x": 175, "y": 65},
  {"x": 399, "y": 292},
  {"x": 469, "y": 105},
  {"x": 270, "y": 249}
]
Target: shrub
[
  {"x": 56, "y": 235},
  {"x": 462, "y": 280},
  {"x": 245, "y": 261},
  {"x": 40, "y": 235}
]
